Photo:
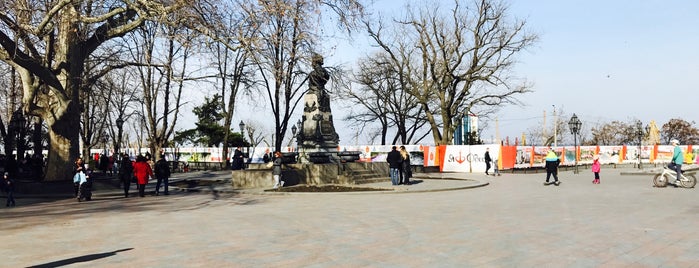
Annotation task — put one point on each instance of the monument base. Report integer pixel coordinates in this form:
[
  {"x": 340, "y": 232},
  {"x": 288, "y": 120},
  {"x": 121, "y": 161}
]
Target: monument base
[{"x": 312, "y": 174}]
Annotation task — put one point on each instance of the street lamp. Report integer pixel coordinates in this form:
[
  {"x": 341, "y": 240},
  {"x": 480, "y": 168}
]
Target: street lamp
[
  {"x": 105, "y": 139},
  {"x": 639, "y": 134},
  {"x": 120, "y": 125},
  {"x": 574, "y": 124},
  {"x": 293, "y": 132}
]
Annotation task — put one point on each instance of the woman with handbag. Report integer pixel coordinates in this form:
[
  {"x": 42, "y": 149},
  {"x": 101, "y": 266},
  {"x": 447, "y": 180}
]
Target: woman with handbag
[{"x": 78, "y": 175}]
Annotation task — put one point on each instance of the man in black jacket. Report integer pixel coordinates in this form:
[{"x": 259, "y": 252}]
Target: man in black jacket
[
  {"x": 125, "y": 173},
  {"x": 162, "y": 174},
  {"x": 487, "y": 160},
  {"x": 395, "y": 162}
]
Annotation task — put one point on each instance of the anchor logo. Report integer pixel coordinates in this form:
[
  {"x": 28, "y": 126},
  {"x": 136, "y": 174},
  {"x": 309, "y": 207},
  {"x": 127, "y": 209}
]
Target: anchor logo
[{"x": 460, "y": 159}]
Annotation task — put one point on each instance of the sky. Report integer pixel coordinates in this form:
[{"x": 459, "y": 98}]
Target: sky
[{"x": 602, "y": 60}]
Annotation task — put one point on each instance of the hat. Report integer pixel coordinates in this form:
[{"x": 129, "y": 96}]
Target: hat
[
  {"x": 674, "y": 141},
  {"x": 7, "y": 173}
]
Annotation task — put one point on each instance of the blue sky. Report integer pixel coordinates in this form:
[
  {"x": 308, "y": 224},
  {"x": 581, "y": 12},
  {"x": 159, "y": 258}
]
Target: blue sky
[{"x": 602, "y": 60}]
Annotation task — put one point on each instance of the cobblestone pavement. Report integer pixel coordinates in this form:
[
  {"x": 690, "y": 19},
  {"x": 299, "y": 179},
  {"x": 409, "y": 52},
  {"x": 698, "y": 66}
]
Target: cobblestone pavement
[{"x": 514, "y": 221}]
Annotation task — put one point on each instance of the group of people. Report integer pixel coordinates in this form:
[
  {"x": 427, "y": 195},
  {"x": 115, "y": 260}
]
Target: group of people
[
  {"x": 399, "y": 166},
  {"x": 138, "y": 171}
]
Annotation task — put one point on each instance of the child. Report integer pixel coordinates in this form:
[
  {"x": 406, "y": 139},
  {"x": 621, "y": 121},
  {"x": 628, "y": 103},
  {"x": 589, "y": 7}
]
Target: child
[
  {"x": 9, "y": 187},
  {"x": 595, "y": 168}
]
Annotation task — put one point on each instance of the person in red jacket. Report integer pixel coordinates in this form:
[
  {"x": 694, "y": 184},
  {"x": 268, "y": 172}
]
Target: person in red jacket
[{"x": 142, "y": 171}]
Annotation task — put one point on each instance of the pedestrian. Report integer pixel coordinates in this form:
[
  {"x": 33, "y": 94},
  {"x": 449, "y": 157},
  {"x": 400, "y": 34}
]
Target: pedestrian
[
  {"x": 496, "y": 170},
  {"x": 395, "y": 162},
  {"x": 78, "y": 168},
  {"x": 85, "y": 185},
  {"x": 595, "y": 168},
  {"x": 677, "y": 159},
  {"x": 142, "y": 171},
  {"x": 8, "y": 186},
  {"x": 162, "y": 174},
  {"x": 406, "y": 173},
  {"x": 126, "y": 173},
  {"x": 487, "y": 160},
  {"x": 103, "y": 163},
  {"x": 238, "y": 160},
  {"x": 552, "y": 162},
  {"x": 277, "y": 170}
]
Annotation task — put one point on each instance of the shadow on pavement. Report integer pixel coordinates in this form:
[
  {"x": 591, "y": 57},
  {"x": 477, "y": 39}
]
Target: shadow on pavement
[{"x": 85, "y": 258}]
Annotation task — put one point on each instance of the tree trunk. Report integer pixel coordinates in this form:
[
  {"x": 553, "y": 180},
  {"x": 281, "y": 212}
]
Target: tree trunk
[{"x": 61, "y": 150}]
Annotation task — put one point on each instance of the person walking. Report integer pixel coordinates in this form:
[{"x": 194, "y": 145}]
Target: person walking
[
  {"x": 126, "y": 173},
  {"x": 162, "y": 174},
  {"x": 487, "y": 160},
  {"x": 277, "y": 170},
  {"x": 595, "y": 168},
  {"x": 8, "y": 185},
  {"x": 395, "y": 162},
  {"x": 677, "y": 160},
  {"x": 406, "y": 173},
  {"x": 142, "y": 171},
  {"x": 78, "y": 168},
  {"x": 552, "y": 162}
]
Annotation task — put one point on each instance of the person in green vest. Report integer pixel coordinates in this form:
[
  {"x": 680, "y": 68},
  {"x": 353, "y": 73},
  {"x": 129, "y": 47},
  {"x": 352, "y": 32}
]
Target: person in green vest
[{"x": 677, "y": 159}]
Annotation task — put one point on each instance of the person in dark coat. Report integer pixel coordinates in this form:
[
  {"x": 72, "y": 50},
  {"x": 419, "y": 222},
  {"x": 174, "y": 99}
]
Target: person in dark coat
[
  {"x": 487, "y": 160},
  {"x": 405, "y": 172},
  {"x": 8, "y": 185},
  {"x": 104, "y": 163},
  {"x": 238, "y": 159},
  {"x": 277, "y": 170},
  {"x": 162, "y": 174},
  {"x": 395, "y": 163},
  {"x": 125, "y": 173}
]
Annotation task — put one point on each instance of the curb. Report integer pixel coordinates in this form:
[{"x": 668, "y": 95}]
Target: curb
[{"x": 261, "y": 191}]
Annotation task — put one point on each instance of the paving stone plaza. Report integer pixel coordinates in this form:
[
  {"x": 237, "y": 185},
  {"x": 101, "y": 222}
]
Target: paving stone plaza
[{"x": 513, "y": 221}]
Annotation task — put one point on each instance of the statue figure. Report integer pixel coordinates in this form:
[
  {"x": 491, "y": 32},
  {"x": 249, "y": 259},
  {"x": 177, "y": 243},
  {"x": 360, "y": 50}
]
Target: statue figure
[
  {"x": 318, "y": 129},
  {"x": 319, "y": 76},
  {"x": 316, "y": 83}
]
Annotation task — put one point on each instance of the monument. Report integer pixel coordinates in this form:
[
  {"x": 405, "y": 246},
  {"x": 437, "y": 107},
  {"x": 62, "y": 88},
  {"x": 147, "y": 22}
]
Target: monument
[{"x": 317, "y": 134}]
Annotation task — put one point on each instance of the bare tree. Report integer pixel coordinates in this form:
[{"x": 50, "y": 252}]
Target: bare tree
[
  {"x": 160, "y": 79},
  {"x": 49, "y": 42},
  {"x": 285, "y": 40},
  {"x": 232, "y": 62},
  {"x": 460, "y": 61},
  {"x": 381, "y": 101}
]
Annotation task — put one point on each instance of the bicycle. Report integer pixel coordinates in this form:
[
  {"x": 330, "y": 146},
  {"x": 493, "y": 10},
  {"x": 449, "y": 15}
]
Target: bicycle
[{"x": 687, "y": 179}]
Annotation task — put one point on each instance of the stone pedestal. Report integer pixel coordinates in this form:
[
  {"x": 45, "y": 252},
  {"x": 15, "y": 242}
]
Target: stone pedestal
[{"x": 318, "y": 129}]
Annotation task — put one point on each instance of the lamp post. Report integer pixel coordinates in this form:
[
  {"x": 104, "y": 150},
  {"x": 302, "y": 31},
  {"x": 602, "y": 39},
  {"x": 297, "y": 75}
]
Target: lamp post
[
  {"x": 574, "y": 124},
  {"x": 105, "y": 139},
  {"x": 639, "y": 134},
  {"x": 242, "y": 137},
  {"x": 120, "y": 125},
  {"x": 293, "y": 136}
]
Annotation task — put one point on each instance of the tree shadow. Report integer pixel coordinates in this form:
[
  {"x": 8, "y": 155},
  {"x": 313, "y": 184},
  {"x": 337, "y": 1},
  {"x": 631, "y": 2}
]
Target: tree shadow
[{"x": 85, "y": 258}]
